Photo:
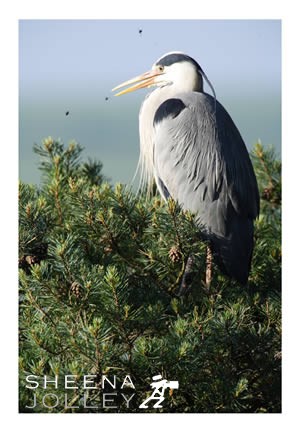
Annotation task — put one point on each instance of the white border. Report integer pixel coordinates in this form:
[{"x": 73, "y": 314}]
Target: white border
[{"x": 246, "y": 426}]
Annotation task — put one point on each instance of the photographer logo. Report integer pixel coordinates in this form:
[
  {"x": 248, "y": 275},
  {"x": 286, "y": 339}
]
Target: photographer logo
[
  {"x": 94, "y": 392},
  {"x": 159, "y": 386}
]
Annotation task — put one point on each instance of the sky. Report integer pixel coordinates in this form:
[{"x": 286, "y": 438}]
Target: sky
[{"x": 72, "y": 65}]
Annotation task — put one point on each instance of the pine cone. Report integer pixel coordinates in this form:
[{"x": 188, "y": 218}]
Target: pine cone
[
  {"x": 267, "y": 193},
  {"x": 174, "y": 254},
  {"x": 31, "y": 259},
  {"x": 75, "y": 290},
  {"x": 27, "y": 261}
]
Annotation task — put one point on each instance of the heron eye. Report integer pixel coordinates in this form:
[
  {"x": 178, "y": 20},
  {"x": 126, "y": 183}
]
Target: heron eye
[{"x": 161, "y": 68}]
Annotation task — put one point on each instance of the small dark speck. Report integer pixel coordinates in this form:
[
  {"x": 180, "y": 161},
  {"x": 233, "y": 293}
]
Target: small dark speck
[
  {"x": 67, "y": 113},
  {"x": 106, "y": 98},
  {"x": 140, "y": 31}
]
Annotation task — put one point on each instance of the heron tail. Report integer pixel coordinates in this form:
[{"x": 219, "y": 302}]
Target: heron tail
[{"x": 233, "y": 253}]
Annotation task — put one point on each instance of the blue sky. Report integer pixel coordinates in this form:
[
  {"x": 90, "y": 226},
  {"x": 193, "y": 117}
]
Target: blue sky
[
  {"x": 71, "y": 65},
  {"x": 73, "y": 52}
]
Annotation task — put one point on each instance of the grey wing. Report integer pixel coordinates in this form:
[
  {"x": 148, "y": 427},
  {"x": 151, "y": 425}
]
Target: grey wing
[{"x": 201, "y": 161}]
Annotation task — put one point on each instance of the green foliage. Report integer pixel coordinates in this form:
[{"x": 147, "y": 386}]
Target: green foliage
[
  {"x": 268, "y": 172},
  {"x": 100, "y": 269}
]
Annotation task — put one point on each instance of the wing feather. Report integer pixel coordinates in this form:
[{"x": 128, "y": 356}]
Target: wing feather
[{"x": 200, "y": 157}]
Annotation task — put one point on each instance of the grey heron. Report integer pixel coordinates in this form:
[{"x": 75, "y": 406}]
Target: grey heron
[{"x": 191, "y": 147}]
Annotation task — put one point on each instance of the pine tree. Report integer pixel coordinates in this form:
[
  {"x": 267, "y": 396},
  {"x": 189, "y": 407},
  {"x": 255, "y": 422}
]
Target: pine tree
[{"x": 100, "y": 269}]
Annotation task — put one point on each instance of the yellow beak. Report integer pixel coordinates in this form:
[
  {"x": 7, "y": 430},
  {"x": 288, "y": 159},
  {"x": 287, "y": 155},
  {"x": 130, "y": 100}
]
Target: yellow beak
[{"x": 145, "y": 80}]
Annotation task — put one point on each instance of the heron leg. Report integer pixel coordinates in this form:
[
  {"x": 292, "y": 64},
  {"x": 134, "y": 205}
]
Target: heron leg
[
  {"x": 208, "y": 273},
  {"x": 188, "y": 272},
  {"x": 187, "y": 276}
]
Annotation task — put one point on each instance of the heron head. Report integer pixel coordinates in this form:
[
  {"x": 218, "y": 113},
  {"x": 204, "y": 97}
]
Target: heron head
[
  {"x": 181, "y": 71},
  {"x": 173, "y": 68}
]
